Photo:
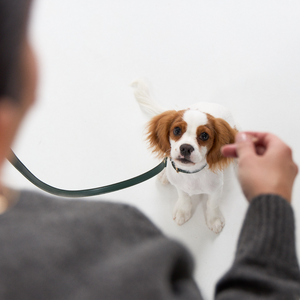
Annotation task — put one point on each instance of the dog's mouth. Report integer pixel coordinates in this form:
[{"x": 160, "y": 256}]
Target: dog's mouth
[{"x": 185, "y": 160}]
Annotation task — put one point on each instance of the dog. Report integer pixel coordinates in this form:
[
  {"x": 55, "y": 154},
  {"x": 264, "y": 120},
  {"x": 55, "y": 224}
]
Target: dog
[{"x": 191, "y": 138}]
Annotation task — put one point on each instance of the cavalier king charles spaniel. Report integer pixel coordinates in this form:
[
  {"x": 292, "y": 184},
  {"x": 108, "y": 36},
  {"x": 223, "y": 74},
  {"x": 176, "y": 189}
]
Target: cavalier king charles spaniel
[{"x": 191, "y": 139}]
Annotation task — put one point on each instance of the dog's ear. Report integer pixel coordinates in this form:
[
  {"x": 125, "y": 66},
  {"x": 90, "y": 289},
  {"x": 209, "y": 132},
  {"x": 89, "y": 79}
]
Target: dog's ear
[
  {"x": 158, "y": 132},
  {"x": 223, "y": 134}
]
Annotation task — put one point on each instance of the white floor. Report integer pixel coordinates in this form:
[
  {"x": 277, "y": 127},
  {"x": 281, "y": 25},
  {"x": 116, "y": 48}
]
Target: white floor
[{"x": 86, "y": 129}]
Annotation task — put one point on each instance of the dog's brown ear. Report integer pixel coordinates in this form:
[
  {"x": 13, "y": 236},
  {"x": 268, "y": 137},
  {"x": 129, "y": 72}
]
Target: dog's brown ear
[
  {"x": 158, "y": 132},
  {"x": 223, "y": 134}
]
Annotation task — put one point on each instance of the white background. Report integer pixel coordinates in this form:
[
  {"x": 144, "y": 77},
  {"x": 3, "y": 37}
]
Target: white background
[{"x": 87, "y": 130}]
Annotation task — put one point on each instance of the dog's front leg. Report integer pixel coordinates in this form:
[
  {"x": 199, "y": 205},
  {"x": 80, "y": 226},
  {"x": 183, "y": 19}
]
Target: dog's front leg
[
  {"x": 183, "y": 208},
  {"x": 214, "y": 217},
  {"x": 162, "y": 177}
]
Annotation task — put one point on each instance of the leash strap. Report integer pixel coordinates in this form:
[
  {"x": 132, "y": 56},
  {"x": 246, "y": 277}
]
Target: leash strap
[{"x": 14, "y": 160}]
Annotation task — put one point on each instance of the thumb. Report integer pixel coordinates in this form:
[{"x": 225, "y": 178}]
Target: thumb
[{"x": 244, "y": 145}]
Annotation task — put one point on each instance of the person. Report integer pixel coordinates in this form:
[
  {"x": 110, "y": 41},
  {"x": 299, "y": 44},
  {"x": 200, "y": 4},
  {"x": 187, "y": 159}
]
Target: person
[
  {"x": 265, "y": 265},
  {"x": 53, "y": 248}
]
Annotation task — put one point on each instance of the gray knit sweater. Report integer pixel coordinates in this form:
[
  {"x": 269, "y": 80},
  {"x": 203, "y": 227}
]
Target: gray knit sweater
[{"x": 60, "y": 249}]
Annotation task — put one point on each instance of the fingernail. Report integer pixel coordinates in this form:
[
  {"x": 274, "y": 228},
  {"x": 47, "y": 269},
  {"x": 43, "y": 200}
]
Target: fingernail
[{"x": 241, "y": 137}]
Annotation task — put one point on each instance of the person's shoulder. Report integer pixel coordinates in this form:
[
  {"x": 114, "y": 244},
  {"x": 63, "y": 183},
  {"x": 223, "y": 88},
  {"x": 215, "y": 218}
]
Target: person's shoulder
[
  {"x": 94, "y": 211},
  {"x": 39, "y": 200}
]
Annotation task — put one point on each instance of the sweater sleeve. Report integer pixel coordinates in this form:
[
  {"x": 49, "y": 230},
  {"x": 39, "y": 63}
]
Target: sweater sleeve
[{"x": 265, "y": 265}]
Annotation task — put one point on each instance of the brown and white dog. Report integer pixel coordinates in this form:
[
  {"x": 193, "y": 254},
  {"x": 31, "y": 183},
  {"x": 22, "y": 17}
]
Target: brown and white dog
[{"x": 191, "y": 139}]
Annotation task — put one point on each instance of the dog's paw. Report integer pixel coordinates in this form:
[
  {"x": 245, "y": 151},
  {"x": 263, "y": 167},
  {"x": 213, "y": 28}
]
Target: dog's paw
[
  {"x": 215, "y": 220},
  {"x": 162, "y": 177},
  {"x": 182, "y": 212}
]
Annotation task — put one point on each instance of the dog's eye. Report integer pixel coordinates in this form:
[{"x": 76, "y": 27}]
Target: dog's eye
[
  {"x": 204, "y": 136},
  {"x": 177, "y": 131}
]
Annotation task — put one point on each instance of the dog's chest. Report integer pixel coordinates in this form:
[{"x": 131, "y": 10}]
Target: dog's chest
[{"x": 203, "y": 182}]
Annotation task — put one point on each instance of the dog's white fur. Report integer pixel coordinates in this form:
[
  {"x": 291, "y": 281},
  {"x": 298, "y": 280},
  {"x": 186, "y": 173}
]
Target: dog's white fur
[{"x": 203, "y": 182}]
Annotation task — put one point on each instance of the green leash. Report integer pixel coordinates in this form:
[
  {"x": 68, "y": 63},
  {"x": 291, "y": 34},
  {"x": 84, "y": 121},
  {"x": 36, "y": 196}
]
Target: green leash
[{"x": 14, "y": 160}]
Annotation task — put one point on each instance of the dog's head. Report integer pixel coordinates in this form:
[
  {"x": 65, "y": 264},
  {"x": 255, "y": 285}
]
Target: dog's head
[{"x": 190, "y": 138}]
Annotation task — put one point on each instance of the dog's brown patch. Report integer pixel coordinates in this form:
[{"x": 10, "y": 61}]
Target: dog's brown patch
[
  {"x": 210, "y": 131},
  {"x": 222, "y": 134},
  {"x": 161, "y": 127}
]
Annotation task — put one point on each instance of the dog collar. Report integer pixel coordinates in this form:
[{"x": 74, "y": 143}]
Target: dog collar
[{"x": 178, "y": 170}]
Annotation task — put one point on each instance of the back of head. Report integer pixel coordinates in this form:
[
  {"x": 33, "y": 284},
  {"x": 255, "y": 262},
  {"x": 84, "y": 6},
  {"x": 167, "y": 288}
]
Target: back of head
[{"x": 13, "y": 27}]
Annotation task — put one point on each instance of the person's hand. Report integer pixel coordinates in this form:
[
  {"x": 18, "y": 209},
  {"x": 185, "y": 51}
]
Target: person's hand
[{"x": 265, "y": 164}]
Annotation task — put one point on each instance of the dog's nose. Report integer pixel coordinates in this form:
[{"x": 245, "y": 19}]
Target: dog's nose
[{"x": 186, "y": 149}]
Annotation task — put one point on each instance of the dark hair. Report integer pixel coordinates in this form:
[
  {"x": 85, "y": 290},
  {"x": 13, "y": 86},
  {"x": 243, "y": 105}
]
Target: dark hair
[{"x": 13, "y": 26}]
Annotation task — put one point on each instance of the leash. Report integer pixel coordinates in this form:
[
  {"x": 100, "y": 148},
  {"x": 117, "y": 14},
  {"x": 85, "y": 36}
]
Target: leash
[{"x": 15, "y": 161}]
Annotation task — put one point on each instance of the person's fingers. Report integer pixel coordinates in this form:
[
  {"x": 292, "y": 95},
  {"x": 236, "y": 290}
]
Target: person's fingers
[
  {"x": 296, "y": 170},
  {"x": 260, "y": 150},
  {"x": 229, "y": 150},
  {"x": 258, "y": 136},
  {"x": 261, "y": 142},
  {"x": 244, "y": 145},
  {"x": 264, "y": 140}
]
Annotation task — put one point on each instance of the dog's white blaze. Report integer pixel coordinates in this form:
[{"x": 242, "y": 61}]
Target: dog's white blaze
[{"x": 194, "y": 119}]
